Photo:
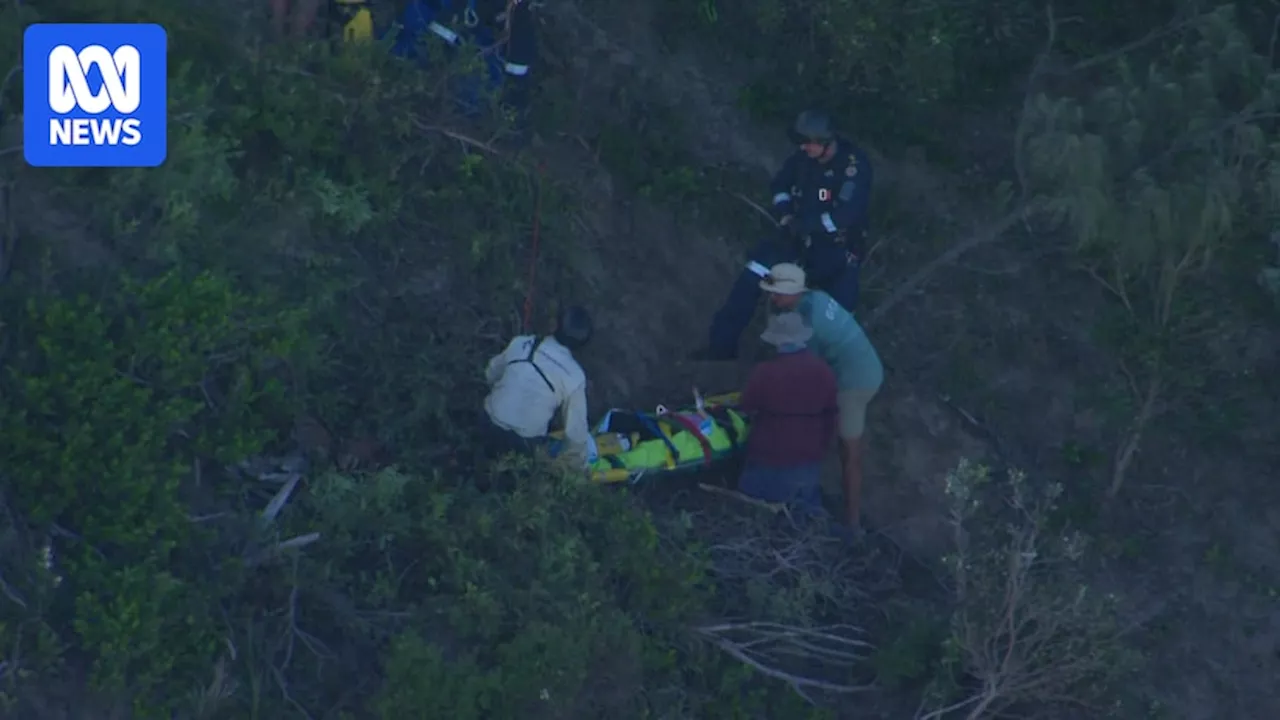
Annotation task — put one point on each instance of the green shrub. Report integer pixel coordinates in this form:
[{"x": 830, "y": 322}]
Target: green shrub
[{"x": 106, "y": 408}]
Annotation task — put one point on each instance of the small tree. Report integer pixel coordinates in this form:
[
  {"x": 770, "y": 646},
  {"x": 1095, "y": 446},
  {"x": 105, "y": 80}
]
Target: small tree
[
  {"x": 1026, "y": 630},
  {"x": 1153, "y": 174}
]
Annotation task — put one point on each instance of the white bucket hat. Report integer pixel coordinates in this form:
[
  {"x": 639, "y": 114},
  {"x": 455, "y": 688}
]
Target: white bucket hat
[{"x": 786, "y": 329}]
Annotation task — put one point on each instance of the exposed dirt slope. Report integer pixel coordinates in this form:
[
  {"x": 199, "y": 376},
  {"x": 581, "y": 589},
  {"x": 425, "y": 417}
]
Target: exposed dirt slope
[
  {"x": 997, "y": 356},
  {"x": 662, "y": 276}
]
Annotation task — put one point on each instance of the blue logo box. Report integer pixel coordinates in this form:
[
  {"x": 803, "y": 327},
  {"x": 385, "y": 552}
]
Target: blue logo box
[{"x": 95, "y": 95}]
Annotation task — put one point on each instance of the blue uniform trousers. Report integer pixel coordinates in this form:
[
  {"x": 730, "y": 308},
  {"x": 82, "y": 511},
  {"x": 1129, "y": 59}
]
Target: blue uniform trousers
[{"x": 469, "y": 90}]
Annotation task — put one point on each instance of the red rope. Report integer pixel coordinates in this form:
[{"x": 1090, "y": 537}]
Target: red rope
[{"x": 533, "y": 253}]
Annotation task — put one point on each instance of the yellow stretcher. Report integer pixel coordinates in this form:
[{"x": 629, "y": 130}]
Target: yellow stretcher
[{"x": 630, "y": 445}]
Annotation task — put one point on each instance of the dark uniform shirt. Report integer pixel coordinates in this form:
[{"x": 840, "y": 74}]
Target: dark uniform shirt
[
  {"x": 828, "y": 200},
  {"x": 516, "y": 20}
]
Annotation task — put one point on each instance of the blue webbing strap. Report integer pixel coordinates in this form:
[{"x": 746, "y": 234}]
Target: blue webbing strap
[{"x": 651, "y": 424}]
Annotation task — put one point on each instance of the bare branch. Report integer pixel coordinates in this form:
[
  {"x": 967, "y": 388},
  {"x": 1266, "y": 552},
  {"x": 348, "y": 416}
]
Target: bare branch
[
  {"x": 465, "y": 140},
  {"x": 12, "y": 594},
  {"x": 284, "y": 691},
  {"x": 1155, "y": 35},
  {"x": 762, "y": 646},
  {"x": 1130, "y": 449},
  {"x": 298, "y": 542},
  {"x": 755, "y": 206},
  {"x": 277, "y": 503},
  {"x": 982, "y": 236},
  {"x": 275, "y": 551},
  {"x": 947, "y": 710},
  {"x": 725, "y": 492}
]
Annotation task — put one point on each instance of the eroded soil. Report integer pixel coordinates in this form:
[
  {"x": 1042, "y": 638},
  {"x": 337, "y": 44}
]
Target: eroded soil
[{"x": 996, "y": 357}]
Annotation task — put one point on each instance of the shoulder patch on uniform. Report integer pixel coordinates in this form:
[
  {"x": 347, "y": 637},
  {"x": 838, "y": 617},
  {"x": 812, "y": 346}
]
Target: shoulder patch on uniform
[{"x": 851, "y": 170}]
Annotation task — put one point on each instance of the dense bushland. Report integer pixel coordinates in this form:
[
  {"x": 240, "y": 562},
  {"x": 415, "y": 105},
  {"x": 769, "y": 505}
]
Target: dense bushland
[{"x": 198, "y": 516}]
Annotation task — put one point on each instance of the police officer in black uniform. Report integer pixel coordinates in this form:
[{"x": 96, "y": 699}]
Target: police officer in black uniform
[
  {"x": 520, "y": 51},
  {"x": 821, "y": 198}
]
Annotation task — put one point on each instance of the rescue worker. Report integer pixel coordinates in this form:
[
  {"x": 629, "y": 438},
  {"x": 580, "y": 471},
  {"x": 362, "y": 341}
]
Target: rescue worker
[
  {"x": 839, "y": 340},
  {"x": 791, "y": 400},
  {"x": 532, "y": 380},
  {"x": 821, "y": 198},
  {"x": 504, "y": 30}
]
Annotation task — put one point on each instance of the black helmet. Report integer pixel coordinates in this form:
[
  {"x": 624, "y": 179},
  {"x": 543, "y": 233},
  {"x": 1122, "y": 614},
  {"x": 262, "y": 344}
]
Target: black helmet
[
  {"x": 812, "y": 126},
  {"x": 573, "y": 327}
]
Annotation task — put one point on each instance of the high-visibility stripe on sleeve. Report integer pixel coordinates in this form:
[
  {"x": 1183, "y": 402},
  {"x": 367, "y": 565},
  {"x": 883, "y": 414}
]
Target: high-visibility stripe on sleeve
[
  {"x": 781, "y": 198},
  {"x": 443, "y": 32},
  {"x": 828, "y": 223},
  {"x": 757, "y": 269},
  {"x": 517, "y": 70}
]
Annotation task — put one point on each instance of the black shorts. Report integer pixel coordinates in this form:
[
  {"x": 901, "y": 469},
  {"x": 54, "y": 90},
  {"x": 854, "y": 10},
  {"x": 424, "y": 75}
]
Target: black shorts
[{"x": 500, "y": 441}]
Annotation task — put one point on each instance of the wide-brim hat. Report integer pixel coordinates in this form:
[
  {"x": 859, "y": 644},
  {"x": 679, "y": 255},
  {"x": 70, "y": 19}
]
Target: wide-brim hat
[
  {"x": 784, "y": 279},
  {"x": 786, "y": 329}
]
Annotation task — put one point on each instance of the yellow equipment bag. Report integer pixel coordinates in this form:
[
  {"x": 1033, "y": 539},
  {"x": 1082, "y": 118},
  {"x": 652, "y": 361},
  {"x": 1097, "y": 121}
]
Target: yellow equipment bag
[{"x": 356, "y": 18}]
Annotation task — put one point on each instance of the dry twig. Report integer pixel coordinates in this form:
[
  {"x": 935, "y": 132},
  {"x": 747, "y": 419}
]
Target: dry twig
[
  {"x": 767, "y": 647},
  {"x": 454, "y": 134},
  {"x": 756, "y": 206},
  {"x": 271, "y": 553},
  {"x": 983, "y": 236},
  {"x": 281, "y": 497}
]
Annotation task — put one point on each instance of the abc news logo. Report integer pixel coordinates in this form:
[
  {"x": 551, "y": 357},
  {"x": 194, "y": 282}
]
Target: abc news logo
[
  {"x": 69, "y": 91},
  {"x": 95, "y": 95}
]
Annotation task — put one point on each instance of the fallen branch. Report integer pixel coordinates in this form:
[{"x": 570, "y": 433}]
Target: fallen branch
[
  {"x": 755, "y": 206},
  {"x": 774, "y": 508},
  {"x": 312, "y": 643},
  {"x": 277, "y": 503},
  {"x": 765, "y": 644},
  {"x": 1151, "y": 37},
  {"x": 284, "y": 691},
  {"x": 12, "y": 594},
  {"x": 465, "y": 140},
  {"x": 983, "y": 236},
  {"x": 1130, "y": 448},
  {"x": 298, "y": 542},
  {"x": 275, "y": 551}
]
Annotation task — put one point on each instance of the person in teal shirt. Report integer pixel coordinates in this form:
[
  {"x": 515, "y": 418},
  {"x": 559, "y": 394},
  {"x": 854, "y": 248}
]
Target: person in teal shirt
[{"x": 840, "y": 340}]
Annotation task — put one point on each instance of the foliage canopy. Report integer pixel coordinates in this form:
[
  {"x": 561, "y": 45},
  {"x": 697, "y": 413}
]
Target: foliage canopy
[{"x": 181, "y": 536}]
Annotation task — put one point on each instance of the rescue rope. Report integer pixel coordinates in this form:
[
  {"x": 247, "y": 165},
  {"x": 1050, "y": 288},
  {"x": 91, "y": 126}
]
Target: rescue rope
[{"x": 533, "y": 251}]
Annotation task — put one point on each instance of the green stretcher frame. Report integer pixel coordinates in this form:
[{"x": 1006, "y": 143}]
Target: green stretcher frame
[{"x": 666, "y": 441}]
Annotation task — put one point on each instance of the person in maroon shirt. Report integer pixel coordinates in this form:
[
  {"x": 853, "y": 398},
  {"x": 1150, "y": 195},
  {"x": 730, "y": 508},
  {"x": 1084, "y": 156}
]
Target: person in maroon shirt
[{"x": 791, "y": 401}]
